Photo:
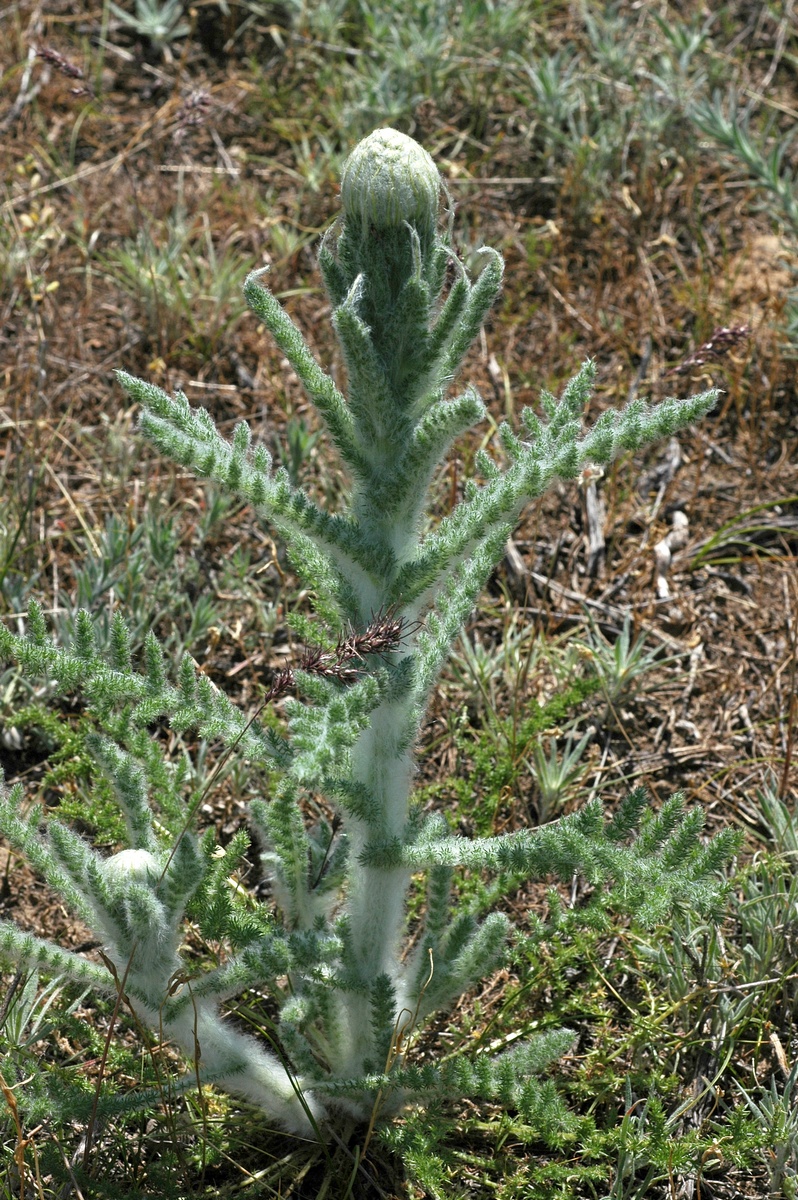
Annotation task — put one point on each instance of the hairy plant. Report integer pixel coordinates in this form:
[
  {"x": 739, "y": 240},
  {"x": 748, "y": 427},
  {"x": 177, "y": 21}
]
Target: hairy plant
[
  {"x": 775, "y": 1112},
  {"x": 730, "y": 129},
  {"x": 620, "y": 664},
  {"x": 353, "y": 985},
  {"x": 555, "y": 777},
  {"x": 160, "y": 23}
]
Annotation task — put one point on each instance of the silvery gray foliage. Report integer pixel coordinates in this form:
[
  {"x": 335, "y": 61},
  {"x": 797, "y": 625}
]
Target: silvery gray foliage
[{"x": 333, "y": 947}]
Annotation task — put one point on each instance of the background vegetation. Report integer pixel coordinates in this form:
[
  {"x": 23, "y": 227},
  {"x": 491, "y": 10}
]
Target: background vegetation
[{"x": 635, "y": 167}]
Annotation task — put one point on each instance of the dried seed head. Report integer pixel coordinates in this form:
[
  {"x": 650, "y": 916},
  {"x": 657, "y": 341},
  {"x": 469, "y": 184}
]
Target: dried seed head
[{"x": 389, "y": 179}]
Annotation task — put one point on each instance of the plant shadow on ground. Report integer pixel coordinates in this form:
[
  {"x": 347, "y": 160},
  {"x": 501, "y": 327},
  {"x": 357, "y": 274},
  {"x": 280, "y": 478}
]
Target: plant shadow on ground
[{"x": 141, "y": 175}]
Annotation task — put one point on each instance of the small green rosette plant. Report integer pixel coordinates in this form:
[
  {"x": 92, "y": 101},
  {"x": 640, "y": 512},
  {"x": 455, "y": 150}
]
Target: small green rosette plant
[{"x": 392, "y": 591}]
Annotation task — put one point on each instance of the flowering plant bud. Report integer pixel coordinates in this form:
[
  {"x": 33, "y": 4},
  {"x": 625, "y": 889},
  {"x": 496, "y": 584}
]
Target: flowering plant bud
[
  {"x": 389, "y": 179},
  {"x": 138, "y": 866}
]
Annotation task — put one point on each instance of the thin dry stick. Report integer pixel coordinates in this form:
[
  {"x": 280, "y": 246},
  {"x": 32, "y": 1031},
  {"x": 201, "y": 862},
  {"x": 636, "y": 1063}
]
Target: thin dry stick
[
  {"x": 784, "y": 25},
  {"x": 25, "y": 93},
  {"x": 22, "y": 1141},
  {"x": 110, "y": 164},
  {"x": 792, "y": 714},
  {"x": 75, "y": 510},
  {"x": 401, "y": 1033},
  {"x": 120, "y": 989}
]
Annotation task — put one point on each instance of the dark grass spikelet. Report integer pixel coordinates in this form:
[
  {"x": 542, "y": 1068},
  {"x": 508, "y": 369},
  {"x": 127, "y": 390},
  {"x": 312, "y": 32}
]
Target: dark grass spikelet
[
  {"x": 723, "y": 340},
  {"x": 381, "y": 637},
  {"x": 66, "y": 67}
]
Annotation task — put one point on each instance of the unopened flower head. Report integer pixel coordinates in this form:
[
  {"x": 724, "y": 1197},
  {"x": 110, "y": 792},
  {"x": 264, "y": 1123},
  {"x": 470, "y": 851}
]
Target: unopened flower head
[
  {"x": 136, "y": 865},
  {"x": 389, "y": 179}
]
